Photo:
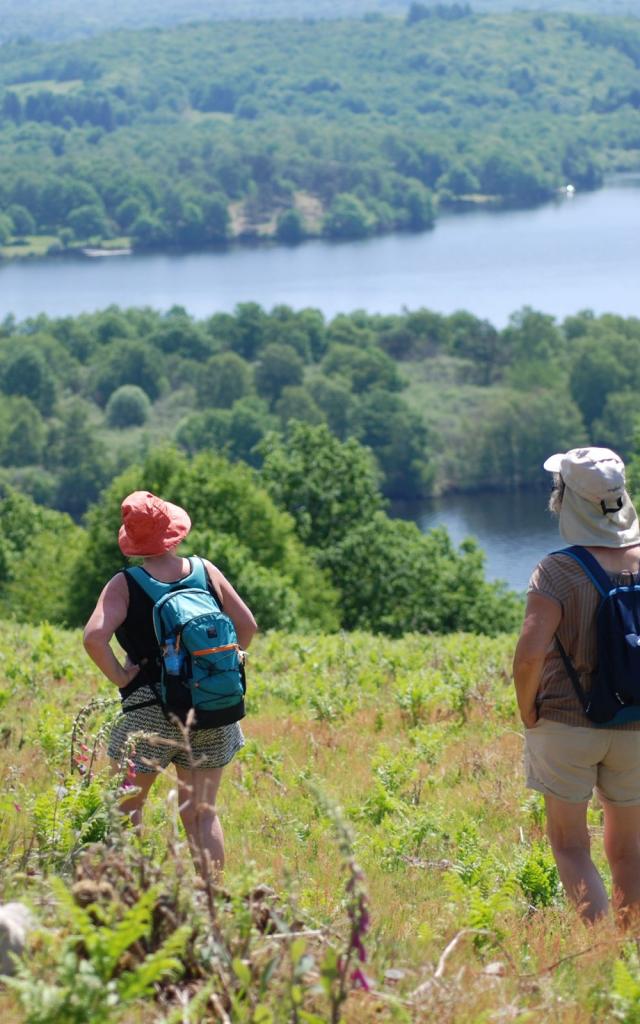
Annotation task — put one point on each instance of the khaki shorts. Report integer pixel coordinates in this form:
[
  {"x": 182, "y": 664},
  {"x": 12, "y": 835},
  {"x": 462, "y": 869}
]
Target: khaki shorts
[{"x": 567, "y": 761}]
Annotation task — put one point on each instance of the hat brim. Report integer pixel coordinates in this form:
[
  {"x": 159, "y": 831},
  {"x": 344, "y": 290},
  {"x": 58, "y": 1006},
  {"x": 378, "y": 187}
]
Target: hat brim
[
  {"x": 554, "y": 463},
  {"x": 177, "y": 529}
]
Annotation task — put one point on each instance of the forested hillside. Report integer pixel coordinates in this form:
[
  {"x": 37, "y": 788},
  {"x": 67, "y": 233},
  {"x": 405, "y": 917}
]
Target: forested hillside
[
  {"x": 437, "y": 399},
  {"x": 195, "y": 135},
  {"x": 55, "y": 20}
]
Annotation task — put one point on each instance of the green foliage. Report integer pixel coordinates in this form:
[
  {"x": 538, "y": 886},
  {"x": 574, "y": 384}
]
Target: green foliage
[
  {"x": 232, "y": 515},
  {"x": 395, "y": 579},
  {"x": 26, "y": 373},
  {"x": 127, "y": 362},
  {"x": 89, "y": 987},
  {"x": 538, "y": 877},
  {"x": 327, "y": 486},
  {"x": 224, "y": 379},
  {"x": 290, "y": 227},
  {"x": 334, "y": 130},
  {"x": 348, "y": 217},
  {"x": 279, "y": 367},
  {"x": 128, "y": 406},
  {"x": 37, "y": 550},
  {"x": 22, "y": 432},
  {"x": 78, "y": 455}
]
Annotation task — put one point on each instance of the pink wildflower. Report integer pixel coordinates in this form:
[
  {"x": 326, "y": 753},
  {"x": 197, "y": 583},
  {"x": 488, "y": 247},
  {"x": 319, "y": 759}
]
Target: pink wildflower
[
  {"x": 130, "y": 778},
  {"x": 360, "y": 979}
]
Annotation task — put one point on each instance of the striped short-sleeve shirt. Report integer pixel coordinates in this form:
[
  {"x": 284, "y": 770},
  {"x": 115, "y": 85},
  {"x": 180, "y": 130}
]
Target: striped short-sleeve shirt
[{"x": 561, "y": 578}]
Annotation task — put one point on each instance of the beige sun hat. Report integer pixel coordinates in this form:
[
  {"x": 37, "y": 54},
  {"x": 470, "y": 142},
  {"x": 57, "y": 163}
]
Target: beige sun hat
[{"x": 596, "y": 509}]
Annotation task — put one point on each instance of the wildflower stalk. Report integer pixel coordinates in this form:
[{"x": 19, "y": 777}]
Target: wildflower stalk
[{"x": 345, "y": 972}]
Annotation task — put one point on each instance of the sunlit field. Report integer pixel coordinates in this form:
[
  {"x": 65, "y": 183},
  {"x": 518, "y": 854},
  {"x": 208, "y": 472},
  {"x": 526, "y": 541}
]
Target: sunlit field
[{"x": 384, "y": 859}]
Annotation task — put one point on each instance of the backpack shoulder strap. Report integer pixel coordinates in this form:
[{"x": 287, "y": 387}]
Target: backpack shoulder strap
[
  {"x": 144, "y": 581},
  {"x": 200, "y": 574},
  {"x": 591, "y": 567},
  {"x": 204, "y": 580}
]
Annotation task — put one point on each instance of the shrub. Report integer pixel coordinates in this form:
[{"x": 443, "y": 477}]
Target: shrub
[{"x": 128, "y": 406}]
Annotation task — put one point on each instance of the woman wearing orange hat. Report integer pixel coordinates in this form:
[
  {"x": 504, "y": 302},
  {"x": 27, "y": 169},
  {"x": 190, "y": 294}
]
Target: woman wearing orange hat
[
  {"x": 566, "y": 753},
  {"x": 153, "y": 530}
]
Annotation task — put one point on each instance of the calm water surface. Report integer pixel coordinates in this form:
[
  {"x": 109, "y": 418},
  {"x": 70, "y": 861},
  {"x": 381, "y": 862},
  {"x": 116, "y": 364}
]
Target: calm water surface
[
  {"x": 513, "y": 529},
  {"x": 564, "y": 256}
]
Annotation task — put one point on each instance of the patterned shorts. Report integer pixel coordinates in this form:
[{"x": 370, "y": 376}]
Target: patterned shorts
[{"x": 135, "y": 737}]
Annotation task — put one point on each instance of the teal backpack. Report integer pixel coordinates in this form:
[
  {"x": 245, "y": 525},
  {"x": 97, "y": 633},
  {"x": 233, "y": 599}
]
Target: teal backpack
[{"x": 202, "y": 666}]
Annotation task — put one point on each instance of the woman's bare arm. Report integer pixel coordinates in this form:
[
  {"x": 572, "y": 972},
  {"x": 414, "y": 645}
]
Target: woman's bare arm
[
  {"x": 239, "y": 613},
  {"x": 541, "y": 620},
  {"x": 109, "y": 613}
]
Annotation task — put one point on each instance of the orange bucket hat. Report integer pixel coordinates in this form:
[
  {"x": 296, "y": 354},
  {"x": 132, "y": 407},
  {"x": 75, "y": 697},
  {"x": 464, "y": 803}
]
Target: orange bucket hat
[{"x": 151, "y": 526}]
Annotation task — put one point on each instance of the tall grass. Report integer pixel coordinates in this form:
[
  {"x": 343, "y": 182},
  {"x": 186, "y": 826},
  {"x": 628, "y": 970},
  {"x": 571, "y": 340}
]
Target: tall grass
[{"x": 385, "y": 862}]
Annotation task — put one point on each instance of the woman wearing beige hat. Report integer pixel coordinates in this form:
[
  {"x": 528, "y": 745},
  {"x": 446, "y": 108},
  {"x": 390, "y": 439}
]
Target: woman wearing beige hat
[
  {"x": 566, "y": 753},
  {"x": 153, "y": 529}
]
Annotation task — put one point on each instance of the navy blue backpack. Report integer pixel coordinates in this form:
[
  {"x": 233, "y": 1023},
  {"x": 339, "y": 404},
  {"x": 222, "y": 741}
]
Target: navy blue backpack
[{"x": 614, "y": 697}]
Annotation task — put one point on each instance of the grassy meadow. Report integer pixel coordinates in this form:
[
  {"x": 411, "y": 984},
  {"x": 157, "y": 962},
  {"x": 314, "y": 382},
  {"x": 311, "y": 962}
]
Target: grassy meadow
[{"x": 385, "y": 862}]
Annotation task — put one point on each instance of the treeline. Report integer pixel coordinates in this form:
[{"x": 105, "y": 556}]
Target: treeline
[
  {"x": 438, "y": 400},
  {"x": 195, "y": 135},
  {"x": 57, "y": 20}
]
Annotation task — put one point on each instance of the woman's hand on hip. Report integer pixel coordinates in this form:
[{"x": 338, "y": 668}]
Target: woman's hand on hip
[
  {"x": 130, "y": 670},
  {"x": 529, "y": 717}
]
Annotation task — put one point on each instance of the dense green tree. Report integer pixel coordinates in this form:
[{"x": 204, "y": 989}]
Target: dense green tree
[
  {"x": 395, "y": 580},
  {"x": 22, "y": 433},
  {"x": 507, "y": 449},
  {"x": 348, "y": 217},
  {"x": 248, "y": 329},
  {"x": 364, "y": 368},
  {"x": 335, "y": 400},
  {"x": 178, "y": 334},
  {"x": 400, "y": 440},
  {"x": 205, "y": 431},
  {"x": 81, "y": 460},
  {"x": 328, "y": 486},
  {"x": 27, "y": 373},
  {"x": 601, "y": 366},
  {"x": 618, "y": 424},
  {"x": 127, "y": 362},
  {"x": 534, "y": 350},
  {"x": 38, "y": 548},
  {"x": 87, "y": 221},
  {"x": 290, "y": 227},
  {"x": 22, "y": 220},
  {"x": 296, "y": 403},
  {"x": 479, "y": 341},
  {"x": 279, "y": 367},
  {"x": 421, "y": 212},
  {"x": 223, "y": 380},
  {"x": 128, "y": 406}
]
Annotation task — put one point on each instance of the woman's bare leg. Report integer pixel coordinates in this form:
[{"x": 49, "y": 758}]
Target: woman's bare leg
[
  {"x": 569, "y": 838},
  {"x": 132, "y": 805},
  {"x": 197, "y": 793},
  {"x": 622, "y": 847}
]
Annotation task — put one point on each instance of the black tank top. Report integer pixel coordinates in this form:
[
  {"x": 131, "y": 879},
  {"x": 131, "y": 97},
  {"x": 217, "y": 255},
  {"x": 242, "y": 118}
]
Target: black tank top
[{"x": 136, "y": 634}]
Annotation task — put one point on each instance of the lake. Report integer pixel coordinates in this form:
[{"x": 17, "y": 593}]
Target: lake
[
  {"x": 514, "y": 529},
  {"x": 563, "y": 256}
]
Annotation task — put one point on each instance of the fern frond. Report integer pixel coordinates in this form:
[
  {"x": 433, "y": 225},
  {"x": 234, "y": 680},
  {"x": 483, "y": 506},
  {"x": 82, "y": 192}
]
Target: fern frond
[{"x": 165, "y": 960}]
